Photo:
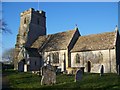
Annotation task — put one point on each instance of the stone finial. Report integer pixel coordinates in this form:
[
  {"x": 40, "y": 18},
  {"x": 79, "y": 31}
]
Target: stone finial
[
  {"x": 31, "y": 9},
  {"x": 42, "y": 13},
  {"x": 116, "y": 28},
  {"x": 76, "y": 27},
  {"x": 21, "y": 14}
]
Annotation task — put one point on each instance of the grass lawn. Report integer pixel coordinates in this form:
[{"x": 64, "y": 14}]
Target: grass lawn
[{"x": 89, "y": 80}]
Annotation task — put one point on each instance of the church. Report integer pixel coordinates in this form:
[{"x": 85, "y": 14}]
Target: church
[{"x": 67, "y": 51}]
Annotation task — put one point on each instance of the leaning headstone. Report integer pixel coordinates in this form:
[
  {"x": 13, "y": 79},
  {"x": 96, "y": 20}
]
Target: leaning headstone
[
  {"x": 48, "y": 75},
  {"x": 102, "y": 71},
  {"x": 78, "y": 75}
]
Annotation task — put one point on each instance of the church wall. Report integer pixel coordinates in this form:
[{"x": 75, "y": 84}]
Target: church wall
[
  {"x": 107, "y": 58},
  {"x": 23, "y": 27},
  {"x": 35, "y": 63},
  {"x": 32, "y": 25},
  {"x": 20, "y": 40},
  {"x": 71, "y": 44},
  {"x": 62, "y": 58},
  {"x": 37, "y": 27},
  {"x": 118, "y": 50},
  {"x": 113, "y": 61}
]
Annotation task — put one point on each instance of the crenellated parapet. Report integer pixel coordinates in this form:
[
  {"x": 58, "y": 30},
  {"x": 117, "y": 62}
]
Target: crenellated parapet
[{"x": 31, "y": 10}]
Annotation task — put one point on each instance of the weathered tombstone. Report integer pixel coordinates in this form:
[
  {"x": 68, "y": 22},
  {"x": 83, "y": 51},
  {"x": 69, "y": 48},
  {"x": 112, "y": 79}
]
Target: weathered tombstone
[
  {"x": 48, "y": 75},
  {"x": 82, "y": 68},
  {"x": 102, "y": 71},
  {"x": 78, "y": 75}
]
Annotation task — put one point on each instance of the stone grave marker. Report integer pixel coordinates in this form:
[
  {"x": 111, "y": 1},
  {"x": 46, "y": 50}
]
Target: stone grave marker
[
  {"x": 78, "y": 75},
  {"x": 48, "y": 75}
]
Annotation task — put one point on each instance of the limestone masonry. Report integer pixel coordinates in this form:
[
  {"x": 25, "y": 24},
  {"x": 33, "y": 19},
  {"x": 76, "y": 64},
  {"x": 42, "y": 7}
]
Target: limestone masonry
[{"x": 67, "y": 51}]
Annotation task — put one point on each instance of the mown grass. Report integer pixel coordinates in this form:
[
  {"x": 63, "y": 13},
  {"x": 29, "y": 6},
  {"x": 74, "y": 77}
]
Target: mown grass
[{"x": 89, "y": 80}]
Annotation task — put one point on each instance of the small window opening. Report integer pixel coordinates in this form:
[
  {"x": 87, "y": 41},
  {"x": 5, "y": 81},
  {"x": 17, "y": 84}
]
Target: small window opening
[{"x": 25, "y": 21}]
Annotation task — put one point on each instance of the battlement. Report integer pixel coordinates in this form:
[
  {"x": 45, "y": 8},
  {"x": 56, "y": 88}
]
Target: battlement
[{"x": 32, "y": 10}]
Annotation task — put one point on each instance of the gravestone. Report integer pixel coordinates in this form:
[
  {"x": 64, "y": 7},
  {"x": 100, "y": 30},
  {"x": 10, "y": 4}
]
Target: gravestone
[
  {"x": 78, "y": 75},
  {"x": 48, "y": 75},
  {"x": 82, "y": 68},
  {"x": 102, "y": 71}
]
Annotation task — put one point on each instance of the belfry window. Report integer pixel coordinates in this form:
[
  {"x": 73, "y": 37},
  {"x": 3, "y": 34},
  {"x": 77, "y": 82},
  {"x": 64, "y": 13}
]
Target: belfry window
[{"x": 25, "y": 21}]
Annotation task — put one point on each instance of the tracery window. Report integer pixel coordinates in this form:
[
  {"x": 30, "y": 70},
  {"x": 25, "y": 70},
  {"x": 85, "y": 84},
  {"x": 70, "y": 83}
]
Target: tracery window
[
  {"x": 77, "y": 58},
  {"x": 55, "y": 57},
  {"x": 100, "y": 57}
]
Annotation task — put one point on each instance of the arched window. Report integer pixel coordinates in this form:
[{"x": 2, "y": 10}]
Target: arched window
[
  {"x": 25, "y": 21},
  {"x": 100, "y": 57},
  {"x": 55, "y": 58},
  {"x": 77, "y": 58}
]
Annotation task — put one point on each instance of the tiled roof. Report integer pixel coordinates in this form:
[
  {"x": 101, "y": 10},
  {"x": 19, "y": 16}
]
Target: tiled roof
[
  {"x": 53, "y": 42},
  {"x": 95, "y": 42},
  {"x": 39, "y": 42}
]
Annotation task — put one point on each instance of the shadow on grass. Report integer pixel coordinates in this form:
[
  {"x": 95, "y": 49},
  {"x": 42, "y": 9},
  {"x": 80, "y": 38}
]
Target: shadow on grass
[{"x": 90, "y": 81}]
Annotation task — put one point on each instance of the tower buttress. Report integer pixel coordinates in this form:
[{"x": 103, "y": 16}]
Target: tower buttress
[{"x": 32, "y": 25}]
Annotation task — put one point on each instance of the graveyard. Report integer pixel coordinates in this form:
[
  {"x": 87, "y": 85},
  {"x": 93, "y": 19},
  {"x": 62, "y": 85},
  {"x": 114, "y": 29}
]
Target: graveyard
[{"x": 89, "y": 80}]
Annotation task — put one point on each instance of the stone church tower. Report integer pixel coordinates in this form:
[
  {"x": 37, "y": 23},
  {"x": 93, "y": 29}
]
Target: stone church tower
[{"x": 32, "y": 25}]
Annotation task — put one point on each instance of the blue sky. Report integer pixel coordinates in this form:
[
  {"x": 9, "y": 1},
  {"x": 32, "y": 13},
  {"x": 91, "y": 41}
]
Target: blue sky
[{"x": 91, "y": 18}]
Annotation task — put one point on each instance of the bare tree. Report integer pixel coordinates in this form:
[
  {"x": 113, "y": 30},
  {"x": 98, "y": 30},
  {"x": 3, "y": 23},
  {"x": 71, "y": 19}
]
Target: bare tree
[
  {"x": 4, "y": 27},
  {"x": 8, "y": 55}
]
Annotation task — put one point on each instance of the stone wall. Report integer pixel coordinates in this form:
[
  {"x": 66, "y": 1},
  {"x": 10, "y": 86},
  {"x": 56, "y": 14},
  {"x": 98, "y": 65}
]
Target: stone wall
[
  {"x": 32, "y": 25},
  {"x": 35, "y": 63},
  {"x": 107, "y": 58},
  {"x": 37, "y": 27},
  {"x": 117, "y": 48},
  {"x": 71, "y": 44},
  {"x": 62, "y": 58}
]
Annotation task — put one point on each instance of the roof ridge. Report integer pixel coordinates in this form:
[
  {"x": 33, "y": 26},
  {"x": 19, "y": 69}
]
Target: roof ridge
[
  {"x": 62, "y": 32},
  {"x": 72, "y": 36},
  {"x": 98, "y": 34}
]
